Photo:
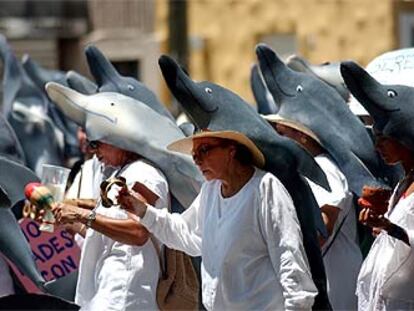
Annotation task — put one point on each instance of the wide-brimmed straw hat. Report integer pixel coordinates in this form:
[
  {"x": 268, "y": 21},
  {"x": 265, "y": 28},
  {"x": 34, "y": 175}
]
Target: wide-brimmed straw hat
[
  {"x": 275, "y": 118},
  {"x": 185, "y": 145}
]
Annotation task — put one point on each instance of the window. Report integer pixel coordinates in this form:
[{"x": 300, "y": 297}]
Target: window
[{"x": 128, "y": 68}]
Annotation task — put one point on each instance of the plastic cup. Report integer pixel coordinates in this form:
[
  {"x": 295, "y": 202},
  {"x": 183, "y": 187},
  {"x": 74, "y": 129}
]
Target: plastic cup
[{"x": 55, "y": 178}]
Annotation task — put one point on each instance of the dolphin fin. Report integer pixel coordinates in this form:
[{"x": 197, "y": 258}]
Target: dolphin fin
[{"x": 64, "y": 287}]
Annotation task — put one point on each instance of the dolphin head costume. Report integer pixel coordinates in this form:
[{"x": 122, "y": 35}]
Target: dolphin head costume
[
  {"x": 40, "y": 77},
  {"x": 311, "y": 102},
  {"x": 109, "y": 80},
  {"x": 25, "y": 107},
  {"x": 213, "y": 107},
  {"x": 129, "y": 124},
  {"x": 391, "y": 106},
  {"x": 328, "y": 72}
]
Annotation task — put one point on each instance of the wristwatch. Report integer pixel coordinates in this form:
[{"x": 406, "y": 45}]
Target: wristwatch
[{"x": 91, "y": 218}]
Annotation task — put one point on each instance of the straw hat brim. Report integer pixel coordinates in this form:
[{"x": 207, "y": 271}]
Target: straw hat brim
[
  {"x": 185, "y": 145},
  {"x": 275, "y": 118}
]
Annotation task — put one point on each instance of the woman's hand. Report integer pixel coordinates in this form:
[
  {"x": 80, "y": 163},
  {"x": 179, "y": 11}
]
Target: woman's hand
[
  {"x": 132, "y": 201},
  {"x": 371, "y": 219},
  {"x": 67, "y": 214}
]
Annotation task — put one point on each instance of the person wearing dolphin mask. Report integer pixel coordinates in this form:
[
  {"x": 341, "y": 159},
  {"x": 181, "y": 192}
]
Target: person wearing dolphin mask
[
  {"x": 386, "y": 279},
  {"x": 119, "y": 266},
  {"x": 252, "y": 252},
  {"x": 341, "y": 248}
]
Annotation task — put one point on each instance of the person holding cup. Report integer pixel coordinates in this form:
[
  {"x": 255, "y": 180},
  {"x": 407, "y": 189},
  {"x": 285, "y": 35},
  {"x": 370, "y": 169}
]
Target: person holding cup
[
  {"x": 386, "y": 278},
  {"x": 119, "y": 266}
]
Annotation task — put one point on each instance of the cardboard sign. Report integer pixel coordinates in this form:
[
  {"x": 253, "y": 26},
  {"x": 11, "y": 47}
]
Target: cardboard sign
[
  {"x": 55, "y": 254},
  {"x": 395, "y": 67}
]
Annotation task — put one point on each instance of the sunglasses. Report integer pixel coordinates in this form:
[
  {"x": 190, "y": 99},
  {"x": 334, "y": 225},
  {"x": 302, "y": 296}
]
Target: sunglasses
[
  {"x": 94, "y": 144},
  {"x": 204, "y": 150}
]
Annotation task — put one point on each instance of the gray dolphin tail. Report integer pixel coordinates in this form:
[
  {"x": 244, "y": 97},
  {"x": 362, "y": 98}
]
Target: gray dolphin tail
[
  {"x": 185, "y": 91},
  {"x": 307, "y": 166},
  {"x": 64, "y": 287},
  {"x": 303, "y": 199},
  {"x": 264, "y": 100},
  {"x": 99, "y": 66},
  {"x": 14, "y": 246}
]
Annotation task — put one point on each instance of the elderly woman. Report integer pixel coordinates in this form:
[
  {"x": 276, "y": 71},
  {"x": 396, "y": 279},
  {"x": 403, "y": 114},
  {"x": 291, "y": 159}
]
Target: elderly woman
[
  {"x": 243, "y": 224},
  {"x": 341, "y": 248},
  {"x": 119, "y": 266}
]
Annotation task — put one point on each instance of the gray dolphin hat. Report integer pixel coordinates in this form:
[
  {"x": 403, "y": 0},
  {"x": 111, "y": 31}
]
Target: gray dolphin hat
[
  {"x": 391, "y": 106},
  {"x": 129, "y": 124}
]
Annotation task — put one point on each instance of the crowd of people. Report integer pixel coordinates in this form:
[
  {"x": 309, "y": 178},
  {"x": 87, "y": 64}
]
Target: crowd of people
[{"x": 243, "y": 222}]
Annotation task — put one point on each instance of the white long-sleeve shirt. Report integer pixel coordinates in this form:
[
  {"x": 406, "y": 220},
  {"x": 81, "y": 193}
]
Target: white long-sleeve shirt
[
  {"x": 250, "y": 243},
  {"x": 386, "y": 279},
  {"x": 116, "y": 276}
]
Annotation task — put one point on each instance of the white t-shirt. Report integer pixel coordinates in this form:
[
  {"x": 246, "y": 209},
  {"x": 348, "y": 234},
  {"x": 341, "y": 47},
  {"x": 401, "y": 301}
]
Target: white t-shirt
[
  {"x": 116, "y": 276},
  {"x": 386, "y": 279},
  {"x": 250, "y": 243},
  {"x": 343, "y": 259}
]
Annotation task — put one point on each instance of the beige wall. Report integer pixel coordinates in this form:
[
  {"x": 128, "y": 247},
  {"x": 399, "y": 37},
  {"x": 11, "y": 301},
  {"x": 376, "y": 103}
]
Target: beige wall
[{"x": 225, "y": 33}]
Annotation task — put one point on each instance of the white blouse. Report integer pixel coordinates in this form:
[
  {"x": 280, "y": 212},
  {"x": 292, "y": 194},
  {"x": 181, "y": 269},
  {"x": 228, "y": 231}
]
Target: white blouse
[
  {"x": 116, "y": 276},
  {"x": 386, "y": 279},
  {"x": 250, "y": 243}
]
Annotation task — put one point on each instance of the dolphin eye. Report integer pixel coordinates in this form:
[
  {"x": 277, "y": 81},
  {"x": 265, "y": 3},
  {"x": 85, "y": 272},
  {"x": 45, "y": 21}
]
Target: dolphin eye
[
  {"x": 112, "y": 104},
  {"x": 130, "y": 87},
  {"x": 391, "y": 93},
  {"x": 299, "y": 88},
  {"x": 208, "y": 90}
]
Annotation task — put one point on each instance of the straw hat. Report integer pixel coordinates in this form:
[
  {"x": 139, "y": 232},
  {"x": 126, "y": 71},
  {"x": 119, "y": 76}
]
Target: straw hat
[
  {"x": 275, "y": 118},
  {"x": 185, "y": 145}
]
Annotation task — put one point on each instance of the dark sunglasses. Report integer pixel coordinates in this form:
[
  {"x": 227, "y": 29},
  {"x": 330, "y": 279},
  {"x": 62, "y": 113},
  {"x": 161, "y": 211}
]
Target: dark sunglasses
[
  {"x": 94, "y": 144},
  {"x": 204, "y": 151}
]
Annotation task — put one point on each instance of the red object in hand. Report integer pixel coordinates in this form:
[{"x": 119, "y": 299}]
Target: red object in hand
[
  {"x": 39, "y": 195},
  {"x": 30, "y": 187}
]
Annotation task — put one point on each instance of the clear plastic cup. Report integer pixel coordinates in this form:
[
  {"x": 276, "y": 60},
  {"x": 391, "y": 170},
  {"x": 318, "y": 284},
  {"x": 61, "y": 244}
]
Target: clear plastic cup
[{"x": 55, "y": 178}]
